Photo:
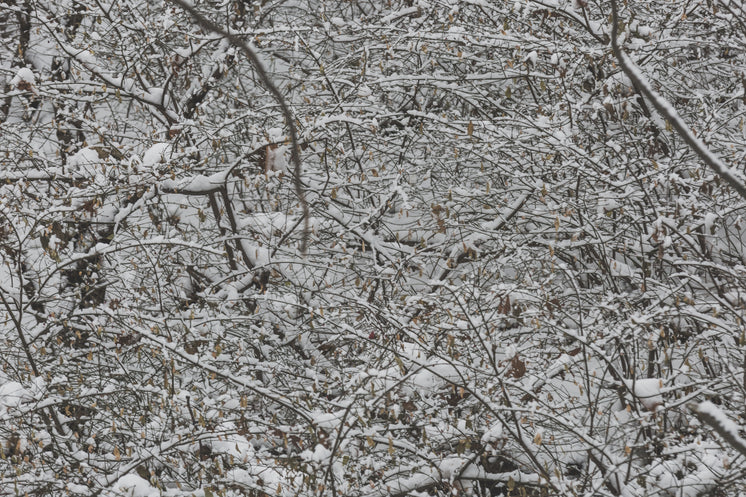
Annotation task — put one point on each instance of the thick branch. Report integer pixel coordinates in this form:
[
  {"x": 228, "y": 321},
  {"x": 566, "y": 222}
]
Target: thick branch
[
  {"x": 634, "y": 73},
  {"x": 711, "y": 415}
]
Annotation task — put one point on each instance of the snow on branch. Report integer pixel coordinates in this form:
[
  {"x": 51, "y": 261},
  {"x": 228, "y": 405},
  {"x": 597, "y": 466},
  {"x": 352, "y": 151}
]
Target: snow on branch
[
  {"x": 635, "y": 74},
  {"x": 710, "y": 414}
]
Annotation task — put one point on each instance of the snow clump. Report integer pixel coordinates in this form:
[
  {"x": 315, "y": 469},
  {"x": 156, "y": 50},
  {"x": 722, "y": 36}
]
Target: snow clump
[{"x": 24, "y": 74}]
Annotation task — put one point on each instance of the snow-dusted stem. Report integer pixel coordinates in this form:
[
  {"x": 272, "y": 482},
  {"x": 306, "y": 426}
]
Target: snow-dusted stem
[
  {"x": 286, "y": 113},
  {"x": 666, "y": 110}
]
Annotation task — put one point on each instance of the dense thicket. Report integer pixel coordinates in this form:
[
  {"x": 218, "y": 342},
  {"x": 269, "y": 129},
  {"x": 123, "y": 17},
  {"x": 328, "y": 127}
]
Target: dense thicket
[{"x": 518, "y": 277}]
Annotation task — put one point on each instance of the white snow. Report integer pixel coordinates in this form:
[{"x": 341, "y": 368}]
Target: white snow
[
  {"x": 320, "y": 454},
  {"x": 156, "y": 154},
  {"x": 494, "y": 434},
  {"x": 648, "y": 391},
  {"x": 135, "y": 486},
  {"x": 12, "y": 394},
  {"x": 23, "y": 74}
]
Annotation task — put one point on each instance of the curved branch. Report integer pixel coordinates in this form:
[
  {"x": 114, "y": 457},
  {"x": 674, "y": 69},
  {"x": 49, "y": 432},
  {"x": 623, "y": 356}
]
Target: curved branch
[
  {"x": 634, "y": 73},
  {"x": 284, "y": 107}
]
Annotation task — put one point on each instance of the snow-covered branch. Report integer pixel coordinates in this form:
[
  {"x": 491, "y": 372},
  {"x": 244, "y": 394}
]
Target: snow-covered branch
[
  {"x": 634, "y": 73},
  {"x": 715, "y": 418}
]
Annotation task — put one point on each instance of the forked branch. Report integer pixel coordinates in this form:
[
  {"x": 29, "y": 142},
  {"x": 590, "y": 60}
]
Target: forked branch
[{"x": 237, "y": 41}]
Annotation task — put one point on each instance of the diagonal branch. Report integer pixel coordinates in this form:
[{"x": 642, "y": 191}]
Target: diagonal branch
[
  {"x": 634, "y": 73},
  {"x": 710, "y": 414},
  {"x": 286, "y": 113}
]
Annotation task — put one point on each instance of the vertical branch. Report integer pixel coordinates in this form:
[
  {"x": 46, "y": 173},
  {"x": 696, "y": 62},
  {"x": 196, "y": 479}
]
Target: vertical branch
[
  {"x": 234, "y": 225},
  {"x": 24, "y": 25},
  {"x": 285, "y": 108},
  {"x": 228, "y": 248}
]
